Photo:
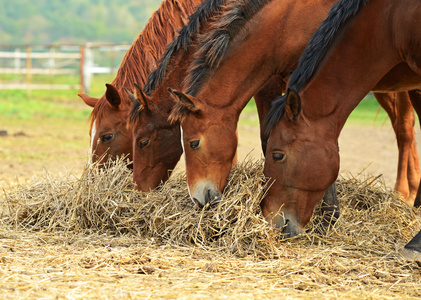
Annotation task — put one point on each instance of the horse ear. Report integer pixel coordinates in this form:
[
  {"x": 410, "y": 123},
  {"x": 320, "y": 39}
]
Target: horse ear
[
  {"x": 90, "y": 101},
  {"x": 141, "y": 97},
  {"x": 189, "y": 102},
  {"x": 112, "y": 95},
  {"x": 292, "y": 105}
]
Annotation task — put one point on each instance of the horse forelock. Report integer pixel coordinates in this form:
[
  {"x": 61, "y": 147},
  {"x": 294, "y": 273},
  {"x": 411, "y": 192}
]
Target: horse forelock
[
  {"x": 340, "y": 14},
  {"x": 214, "y": 44},
  {"x": 187, "y": 34},
  {"x": 98, "y": 110},
  {"x": 178, "y": 113},
  {"x": 134, "y": 114},
  {"x": 275, "y": 113},
  {"x": 158, "y": 111}
]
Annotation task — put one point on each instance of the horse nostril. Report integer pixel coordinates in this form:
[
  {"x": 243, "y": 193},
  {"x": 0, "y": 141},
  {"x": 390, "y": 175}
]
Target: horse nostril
[
  {"x": 285, "y": 226},
  {"x": 197, "y": 203},
  {"x": 207, "y": 196},
  {"x": 216, "y": 199},
  {"x": 212, "y": 199}
]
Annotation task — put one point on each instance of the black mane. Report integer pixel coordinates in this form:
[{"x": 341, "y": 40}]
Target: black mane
[
  {"x": 199, "y": 18},
  {"x": 340, "y": 14},
  {"x": 215, "y": 43}
]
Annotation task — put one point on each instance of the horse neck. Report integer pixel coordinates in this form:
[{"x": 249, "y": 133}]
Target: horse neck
[
  {"x": 270, "y": 46},
  {"x": 351, "y": 68}
]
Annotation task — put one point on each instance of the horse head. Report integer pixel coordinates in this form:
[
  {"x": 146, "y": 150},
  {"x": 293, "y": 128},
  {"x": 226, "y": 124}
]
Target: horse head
[
  {"x": 300, "y": 164},
  {"x": 110, "y": 137},
  {"x": 156, "y": 142},
  {"x": 205, "y": 131}
]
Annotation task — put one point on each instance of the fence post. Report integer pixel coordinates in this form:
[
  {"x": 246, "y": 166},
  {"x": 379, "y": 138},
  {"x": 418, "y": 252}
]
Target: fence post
[
  {"x": 87, "y": 66},
  {"x": 17, "y": 59},
  {"x": 28, "y": 69},
  {"x": 82, "y": 68}
]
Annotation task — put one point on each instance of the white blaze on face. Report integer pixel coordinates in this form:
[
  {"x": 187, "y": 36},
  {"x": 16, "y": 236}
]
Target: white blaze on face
[
  {"x": 182, "y": 145},
  {"x": 182, "y": 142},
  {"x": 93, "y": 133}
]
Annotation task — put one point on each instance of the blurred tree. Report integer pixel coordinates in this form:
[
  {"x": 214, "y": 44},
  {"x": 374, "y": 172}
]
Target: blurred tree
[{"x": 73, "y": 21}]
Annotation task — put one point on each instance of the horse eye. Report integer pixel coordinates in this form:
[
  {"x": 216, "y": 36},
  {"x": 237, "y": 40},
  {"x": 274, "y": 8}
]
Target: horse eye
[
  {"x": 278, "y": 156},
  {"x": 143, "y": 143},
  {"x": 195, "y": 144},
  {"x": 107, "y": 137}
]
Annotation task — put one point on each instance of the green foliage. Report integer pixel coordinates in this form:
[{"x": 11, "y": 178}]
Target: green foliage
[
  {"x": 368, "y": 112},
  {"x": 49, "y": 104},
  {"x": 75, "y": 21}
]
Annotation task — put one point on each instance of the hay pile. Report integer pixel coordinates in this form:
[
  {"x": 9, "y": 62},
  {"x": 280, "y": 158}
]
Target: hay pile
[
  {"x": 94, "y": 235},
  {"x": 104, "y": 202},
  {"x": 373, "y": 219}
]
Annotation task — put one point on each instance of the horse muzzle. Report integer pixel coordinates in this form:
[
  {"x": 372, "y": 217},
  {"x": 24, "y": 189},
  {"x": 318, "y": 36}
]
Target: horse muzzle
[
  {"x": 205, "y": 192},
  {"x": 287, "y": 224}
]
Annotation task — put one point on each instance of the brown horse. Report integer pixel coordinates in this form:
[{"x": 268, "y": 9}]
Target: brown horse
[
  {"x": 220, "y": 84},
  {"x": 361, "y": 46},
  {"x": 149, "y": 115},
  {"x": 109, "y": 134},
  {"x": 156, "y": 143}
]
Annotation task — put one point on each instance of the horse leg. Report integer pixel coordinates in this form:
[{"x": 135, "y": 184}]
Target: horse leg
[
  {"x": 399, "y": 109},
  {"x": 405, "y": 127},
  {"x": 415, "y": 97},
  {"x": 272, "y": 90}
]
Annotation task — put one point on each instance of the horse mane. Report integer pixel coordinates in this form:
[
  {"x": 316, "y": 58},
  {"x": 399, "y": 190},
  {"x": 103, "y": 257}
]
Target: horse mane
[
  {"x": 214, "y": 44},
  {"x": 340, "y": 14},
  {"x": 144, "y": 53},
  {"x": 198, "y": 19}
]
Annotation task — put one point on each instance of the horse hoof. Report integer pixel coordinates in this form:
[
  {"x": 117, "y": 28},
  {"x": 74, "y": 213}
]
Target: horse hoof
[
  {"x": 412, "y": 250},
  {"x": 412, "y": 255}
]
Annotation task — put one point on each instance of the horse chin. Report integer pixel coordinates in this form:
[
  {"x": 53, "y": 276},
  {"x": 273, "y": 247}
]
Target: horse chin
[
  {"x": 205, "y": 192},
  {"x": 149, "y": 183},
  {"x": 287, "y": 223}
]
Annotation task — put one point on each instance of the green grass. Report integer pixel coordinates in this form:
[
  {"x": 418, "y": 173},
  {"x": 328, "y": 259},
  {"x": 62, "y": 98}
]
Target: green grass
[
  {"x": 367, "y": 113},
  {"x": 65, "y": 104},
  {"x": 34, "y": 104}
]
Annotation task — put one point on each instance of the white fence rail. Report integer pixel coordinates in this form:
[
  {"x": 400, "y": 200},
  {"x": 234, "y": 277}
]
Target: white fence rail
[{"x": 81, "y": 60}]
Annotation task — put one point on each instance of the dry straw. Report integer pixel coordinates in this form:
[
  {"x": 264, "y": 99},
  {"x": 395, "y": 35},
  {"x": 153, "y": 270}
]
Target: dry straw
[
  {"x": 104, "y": 202},
  {"x": 229, "y": 246},
  {"x": 373, "y": 219}
]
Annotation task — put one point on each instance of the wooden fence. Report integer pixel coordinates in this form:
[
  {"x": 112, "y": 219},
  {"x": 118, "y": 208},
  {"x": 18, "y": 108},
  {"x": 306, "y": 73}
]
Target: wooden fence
[{"x": 83, "y": 61}]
